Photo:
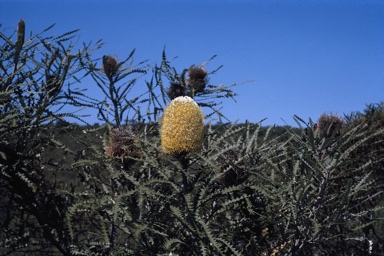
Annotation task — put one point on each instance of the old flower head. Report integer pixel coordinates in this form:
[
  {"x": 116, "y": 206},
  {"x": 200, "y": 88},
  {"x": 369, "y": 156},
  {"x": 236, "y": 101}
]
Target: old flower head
[
  {"x": 110, "y": 65},
  {"x": 329, "y": 125},
  {"x": 123, "y": 145},
  {"x": 182, "y": 127},
  {"x": 197, "y": 78},
  {"x": 176, "y": 90}
]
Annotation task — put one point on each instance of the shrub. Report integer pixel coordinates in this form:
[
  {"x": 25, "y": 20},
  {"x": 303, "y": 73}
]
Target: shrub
[{"x": 138, "y": 186}]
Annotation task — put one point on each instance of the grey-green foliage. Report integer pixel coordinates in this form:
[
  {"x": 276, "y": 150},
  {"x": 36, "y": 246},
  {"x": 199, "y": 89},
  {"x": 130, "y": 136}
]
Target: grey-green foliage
[
  {"x": 323, "y": 204},
  {"x": 116, "y": 81},
  {"x": 161, "y": 204},
  {"x": 113, "y": 78},
  {"x": 165, "y": 76},
  {"x": 244, "y": 194},
  {"x": 36, "y": 78},
  {"x": 78, "y": 190}
]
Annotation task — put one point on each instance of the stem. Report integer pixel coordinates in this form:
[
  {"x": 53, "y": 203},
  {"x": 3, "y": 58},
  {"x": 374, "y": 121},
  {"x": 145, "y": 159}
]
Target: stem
[{"x": 184, "y": 164}]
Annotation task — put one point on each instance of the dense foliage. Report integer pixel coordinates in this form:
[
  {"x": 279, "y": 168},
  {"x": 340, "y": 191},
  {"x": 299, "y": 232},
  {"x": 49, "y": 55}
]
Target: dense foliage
[{"x": 109, "y": 189}]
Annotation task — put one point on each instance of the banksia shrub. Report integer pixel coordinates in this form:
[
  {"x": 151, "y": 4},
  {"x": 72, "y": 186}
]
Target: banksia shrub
[
  {"x": 123, "y": 144},
  {"x": 370, "y": 122},
  {"x": 182, "y": 127},
  {"x": 197, "y": 78},
  {"x": 329, "y": 125}
]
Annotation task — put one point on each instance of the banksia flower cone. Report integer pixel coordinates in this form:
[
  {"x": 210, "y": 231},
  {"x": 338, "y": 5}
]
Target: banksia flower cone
[
  {"x": 110, "y": 65},
  {"x": 197, "y": 78},
  {"x": 182, "y": 127},
  {"x": 20, "y": 40},
  {"x": 175, "y": 90},
  {"x": 328, "y": 125},
  {"x": 20, "y": 32},
  {"x": 123, "y": 144}
]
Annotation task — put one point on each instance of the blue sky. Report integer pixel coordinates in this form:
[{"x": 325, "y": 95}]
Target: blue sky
[{"x": 304, "y": 58}]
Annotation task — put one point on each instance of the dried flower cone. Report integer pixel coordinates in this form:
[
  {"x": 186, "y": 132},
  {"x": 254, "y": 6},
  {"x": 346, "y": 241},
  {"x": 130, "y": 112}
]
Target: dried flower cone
[
  {"x": 110, "y": 65},
  {"x": 197, "y": 78},
  {"x": 20, "y": 40},
  {"x": 328, "y": 125},
  {"x": 182, "y": 127},
  {"x": 20, "y": 32},
  {"x": 230, "y": 175},
  {"x": 175, "y": 90},
  {"x": 123, "y": 144}
]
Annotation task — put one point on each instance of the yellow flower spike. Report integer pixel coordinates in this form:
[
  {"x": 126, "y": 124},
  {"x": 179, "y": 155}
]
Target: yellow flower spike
[{"x": 182, "y": 127}]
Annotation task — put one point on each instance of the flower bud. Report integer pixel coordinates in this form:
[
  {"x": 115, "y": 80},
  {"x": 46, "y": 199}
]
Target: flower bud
[
  {"x": 182, "y": 127},
  {"x": 20, "y": 40},
  {"x": 20, "y": 32}
]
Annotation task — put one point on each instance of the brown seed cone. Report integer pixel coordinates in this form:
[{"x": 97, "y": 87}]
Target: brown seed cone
[
  {"x": 110, "y": 65},
  {"x": 197, "y": 78},
  {"x": 123, "y": 144},
  {"x": 328, "y": 125}
]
